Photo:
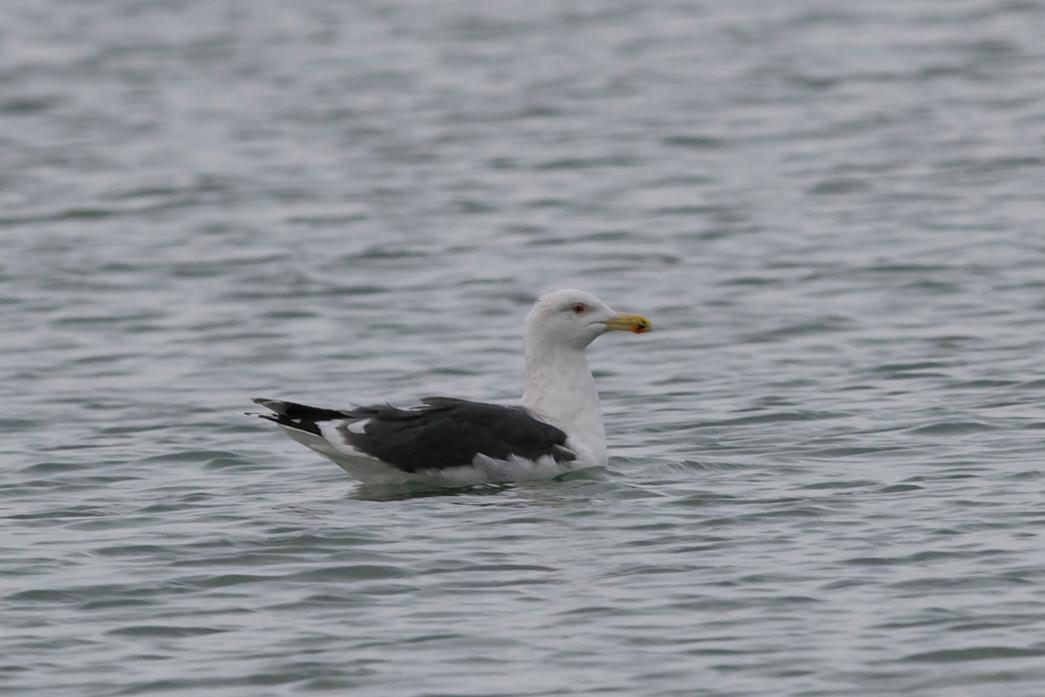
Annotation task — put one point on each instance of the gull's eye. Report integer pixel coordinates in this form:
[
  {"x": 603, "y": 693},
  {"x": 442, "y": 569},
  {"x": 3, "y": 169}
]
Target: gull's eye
[{"x": 579, "y": 309}]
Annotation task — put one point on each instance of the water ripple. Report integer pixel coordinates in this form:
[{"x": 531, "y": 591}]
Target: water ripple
[{"x": 825, "y": 473}]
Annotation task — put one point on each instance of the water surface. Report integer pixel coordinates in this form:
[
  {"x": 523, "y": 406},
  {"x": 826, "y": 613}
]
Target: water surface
[{"x": 826, "y": 471}]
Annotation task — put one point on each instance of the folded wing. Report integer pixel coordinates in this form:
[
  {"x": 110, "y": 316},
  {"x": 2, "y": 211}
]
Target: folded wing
[{"x": 441, "y": 433}]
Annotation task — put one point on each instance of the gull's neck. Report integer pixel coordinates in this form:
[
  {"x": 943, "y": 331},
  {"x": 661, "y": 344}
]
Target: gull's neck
[{"x": 561, "y": 390}]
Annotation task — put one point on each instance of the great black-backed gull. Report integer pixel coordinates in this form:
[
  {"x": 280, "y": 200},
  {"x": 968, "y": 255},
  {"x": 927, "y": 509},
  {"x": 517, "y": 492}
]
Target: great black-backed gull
[{"x": 557, "y": 427}]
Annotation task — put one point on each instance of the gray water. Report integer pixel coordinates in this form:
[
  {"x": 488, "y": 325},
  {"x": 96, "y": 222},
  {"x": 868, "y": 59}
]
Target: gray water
[{"x": 826, "y": 472}]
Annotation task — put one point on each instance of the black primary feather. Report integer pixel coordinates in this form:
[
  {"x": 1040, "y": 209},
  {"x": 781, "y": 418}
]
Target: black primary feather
[{"x": 299, "y": 416}]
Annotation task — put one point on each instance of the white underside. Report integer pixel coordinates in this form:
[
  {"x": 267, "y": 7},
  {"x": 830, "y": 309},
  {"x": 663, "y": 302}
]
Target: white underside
[{"x": 483, "y": 470}]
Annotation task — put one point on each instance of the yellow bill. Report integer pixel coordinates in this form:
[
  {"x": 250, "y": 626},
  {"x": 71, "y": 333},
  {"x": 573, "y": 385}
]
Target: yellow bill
[{"x": 630, "y": 323}]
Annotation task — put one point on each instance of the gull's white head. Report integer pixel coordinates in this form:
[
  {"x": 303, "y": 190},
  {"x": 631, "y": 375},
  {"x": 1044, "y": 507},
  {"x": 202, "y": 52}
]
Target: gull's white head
[{"x": 573, "y": 319}]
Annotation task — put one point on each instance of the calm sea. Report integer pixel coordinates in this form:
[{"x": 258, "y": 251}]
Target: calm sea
[{"x": 827, "y": 471}]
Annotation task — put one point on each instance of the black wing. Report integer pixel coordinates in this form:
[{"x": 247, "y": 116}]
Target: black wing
[{"x": 443, "y": 433}]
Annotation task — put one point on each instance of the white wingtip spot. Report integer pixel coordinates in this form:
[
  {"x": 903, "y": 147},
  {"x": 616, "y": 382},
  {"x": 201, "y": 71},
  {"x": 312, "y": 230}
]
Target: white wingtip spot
[{"x": 358, "y": 426}]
